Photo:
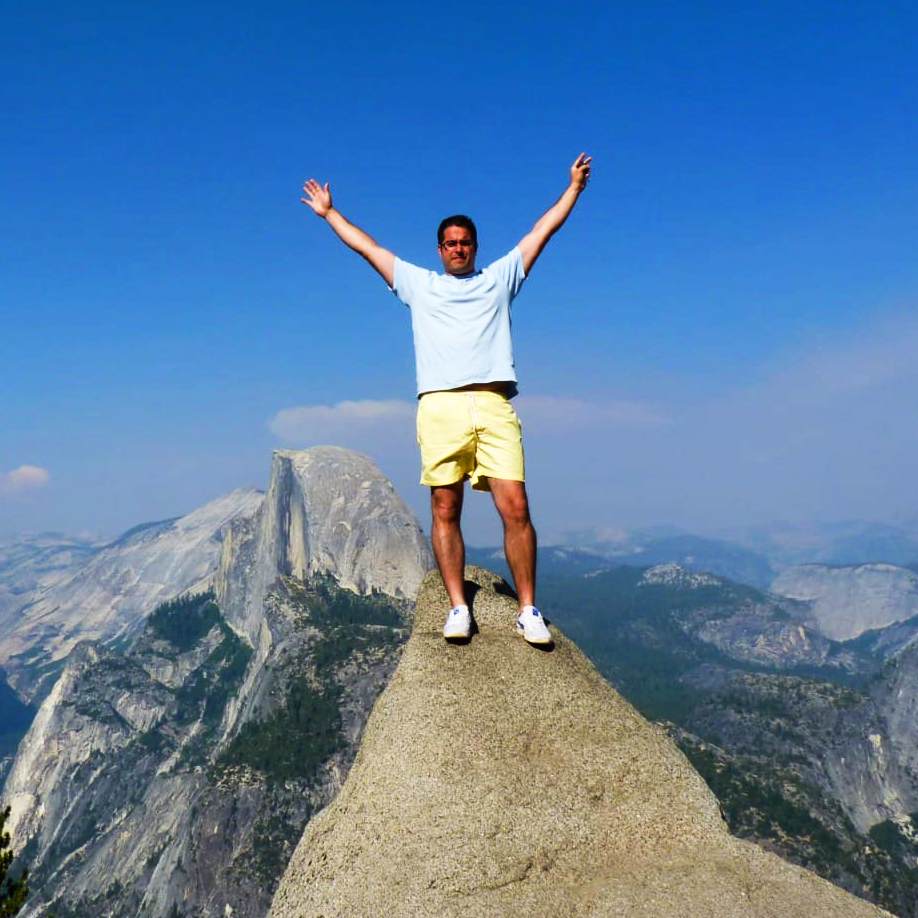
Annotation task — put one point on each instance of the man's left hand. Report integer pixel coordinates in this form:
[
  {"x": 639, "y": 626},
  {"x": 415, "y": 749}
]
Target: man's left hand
[{"x": 580, "y": 171}]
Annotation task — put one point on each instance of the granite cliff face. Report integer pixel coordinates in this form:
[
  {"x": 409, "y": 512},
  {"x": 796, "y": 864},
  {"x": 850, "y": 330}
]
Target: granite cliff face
[
  {"x": 849, "y": 600},
  {"x": 495, "y": 779},
  {"x": 897, "y": 697},
  {"x": 327, "y": 510},
  {"x": 107, "y": 597},
  {"x": 174, "y": 775}
]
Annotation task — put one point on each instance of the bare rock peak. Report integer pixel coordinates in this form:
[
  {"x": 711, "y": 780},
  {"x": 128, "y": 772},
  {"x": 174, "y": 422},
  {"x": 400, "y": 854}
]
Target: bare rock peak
[
  {"x": 327, "y": 510},
  {"x": 677, "y": 576}
]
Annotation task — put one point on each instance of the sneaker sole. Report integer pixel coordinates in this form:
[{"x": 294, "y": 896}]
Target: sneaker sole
[{"x": 541, "y": 642}]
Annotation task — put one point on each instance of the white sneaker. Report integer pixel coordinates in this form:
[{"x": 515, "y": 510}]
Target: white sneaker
[
  {"x": 458, "y": 623},
  {"x": 531, "y": 625}
]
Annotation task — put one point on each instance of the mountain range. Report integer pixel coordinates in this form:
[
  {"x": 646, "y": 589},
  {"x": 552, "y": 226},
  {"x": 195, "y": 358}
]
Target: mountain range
[
  {"x": 171, "y": 768},
  {"x": 195, "y": 691}
]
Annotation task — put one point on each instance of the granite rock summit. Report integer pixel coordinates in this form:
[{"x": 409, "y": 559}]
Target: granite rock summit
[
  {"x": 329, "y": 510},
  {"x": 495, "y": 779}
]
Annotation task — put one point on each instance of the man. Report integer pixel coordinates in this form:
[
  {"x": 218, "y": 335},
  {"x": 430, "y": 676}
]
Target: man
[{"x": 466, "y": 426}]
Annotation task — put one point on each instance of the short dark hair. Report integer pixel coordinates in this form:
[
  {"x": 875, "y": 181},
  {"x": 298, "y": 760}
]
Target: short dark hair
[{"x": 457, "y": 220}]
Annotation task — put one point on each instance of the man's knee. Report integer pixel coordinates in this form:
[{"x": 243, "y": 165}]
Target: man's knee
[
  {"x": 514, "y": 508},
  {"x": 446, "y": 505}
]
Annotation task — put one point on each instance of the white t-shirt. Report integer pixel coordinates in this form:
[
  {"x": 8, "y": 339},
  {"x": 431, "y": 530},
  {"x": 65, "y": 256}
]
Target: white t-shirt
[{"x": 461, "y": 324}]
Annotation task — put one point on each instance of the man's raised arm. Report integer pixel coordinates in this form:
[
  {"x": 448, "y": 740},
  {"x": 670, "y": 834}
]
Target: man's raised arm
[
  {"x": 319, "y": 198},
  {"x": 550, "y": 222}
]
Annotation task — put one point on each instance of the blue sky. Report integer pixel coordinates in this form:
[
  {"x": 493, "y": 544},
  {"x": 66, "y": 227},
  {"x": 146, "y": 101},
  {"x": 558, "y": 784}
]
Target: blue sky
[{"x": 746, "y": 246}]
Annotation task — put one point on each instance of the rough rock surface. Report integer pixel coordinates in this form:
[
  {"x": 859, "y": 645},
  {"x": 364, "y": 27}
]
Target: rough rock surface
[
  {"x": 497, "y": 779},
  {"x": 847, "y": 601},
  {"x": 897, "y": 697}
]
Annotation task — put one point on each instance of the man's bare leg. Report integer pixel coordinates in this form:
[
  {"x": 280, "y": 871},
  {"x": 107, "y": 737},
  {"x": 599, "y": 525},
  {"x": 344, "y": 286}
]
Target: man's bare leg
[
  {"x": 446, "y": 538},
  {"x": 519, "y": 535}
]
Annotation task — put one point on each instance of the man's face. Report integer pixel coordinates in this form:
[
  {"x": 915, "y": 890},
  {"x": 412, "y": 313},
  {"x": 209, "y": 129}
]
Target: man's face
[{"x": 457, "y": 250}]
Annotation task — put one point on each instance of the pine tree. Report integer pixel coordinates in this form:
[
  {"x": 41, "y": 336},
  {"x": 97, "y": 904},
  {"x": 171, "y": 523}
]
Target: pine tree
[{"x": 12, "y": 892}]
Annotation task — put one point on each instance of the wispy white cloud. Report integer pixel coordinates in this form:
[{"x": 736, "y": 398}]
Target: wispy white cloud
[
  {"x": 312, "y": 424},
  {"x": 24, "y": 478},
  {"x": 370, "y": 420}
]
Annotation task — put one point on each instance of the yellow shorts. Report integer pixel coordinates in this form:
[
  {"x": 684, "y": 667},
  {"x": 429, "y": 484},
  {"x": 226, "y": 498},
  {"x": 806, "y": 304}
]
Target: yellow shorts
[{"x": 471, "y": 434}]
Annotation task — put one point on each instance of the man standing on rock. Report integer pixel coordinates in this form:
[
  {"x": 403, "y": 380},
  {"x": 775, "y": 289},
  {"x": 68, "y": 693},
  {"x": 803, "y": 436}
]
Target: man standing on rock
[{"x": 466, "y": 426}]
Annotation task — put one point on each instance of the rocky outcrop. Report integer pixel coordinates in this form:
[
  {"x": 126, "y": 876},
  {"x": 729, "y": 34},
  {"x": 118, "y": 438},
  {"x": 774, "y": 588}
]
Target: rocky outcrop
[
  {"x": 673, "y": 575},
  {"x": 495, "y": 779},
  {"x": 847, "y": 601},
  {"x": 109, "y": 596}
]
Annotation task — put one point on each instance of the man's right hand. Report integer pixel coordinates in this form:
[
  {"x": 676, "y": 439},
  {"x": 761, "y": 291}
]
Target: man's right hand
[{"x": 317, "y": 197}]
